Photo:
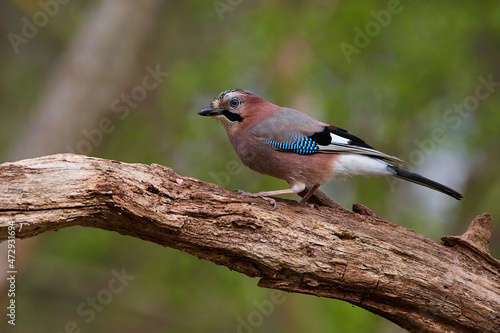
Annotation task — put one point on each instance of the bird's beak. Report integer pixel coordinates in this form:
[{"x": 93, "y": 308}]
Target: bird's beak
[{"x": 208, "y": 111}]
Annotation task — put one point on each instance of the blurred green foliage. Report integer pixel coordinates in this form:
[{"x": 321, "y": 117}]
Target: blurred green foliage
[{"x": 394, "y": 91}]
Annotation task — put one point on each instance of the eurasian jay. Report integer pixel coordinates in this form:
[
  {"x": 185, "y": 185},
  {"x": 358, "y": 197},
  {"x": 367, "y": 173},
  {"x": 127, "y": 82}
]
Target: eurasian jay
[{"x": 290, "y": 145}]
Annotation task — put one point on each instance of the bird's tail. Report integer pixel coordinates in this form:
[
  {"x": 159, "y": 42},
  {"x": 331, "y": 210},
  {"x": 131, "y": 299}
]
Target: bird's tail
[{"x": 421, "y": 180}]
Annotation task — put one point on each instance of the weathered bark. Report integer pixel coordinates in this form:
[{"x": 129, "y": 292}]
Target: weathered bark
[{"x": 411, "y": 280}]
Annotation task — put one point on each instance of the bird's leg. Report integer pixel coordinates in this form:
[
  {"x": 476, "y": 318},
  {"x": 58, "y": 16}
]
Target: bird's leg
[
  {"x": 265, "y": 195},
  {"x": 308, "y": 195},
  {"x": 268, "y": 193}
]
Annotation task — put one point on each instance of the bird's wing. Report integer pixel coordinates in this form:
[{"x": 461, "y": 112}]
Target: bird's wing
[
  {"x": 337, "y": 140},
  {"x": 292, "y": 131}
]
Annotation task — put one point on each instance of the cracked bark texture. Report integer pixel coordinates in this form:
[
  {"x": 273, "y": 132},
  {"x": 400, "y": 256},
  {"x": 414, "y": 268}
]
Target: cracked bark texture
[{"x": 419, "y": 284}]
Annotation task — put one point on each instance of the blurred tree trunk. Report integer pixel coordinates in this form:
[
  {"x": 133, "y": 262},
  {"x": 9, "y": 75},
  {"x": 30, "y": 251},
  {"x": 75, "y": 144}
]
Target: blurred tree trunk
[
  {"x": 103, "y": 61},
  {"x": 357, "y": 257},
  {"x": 100, "y": 64}
]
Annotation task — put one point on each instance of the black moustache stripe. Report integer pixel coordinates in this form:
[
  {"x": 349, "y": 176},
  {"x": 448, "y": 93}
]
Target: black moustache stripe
[{"x": 231, "y": 116}]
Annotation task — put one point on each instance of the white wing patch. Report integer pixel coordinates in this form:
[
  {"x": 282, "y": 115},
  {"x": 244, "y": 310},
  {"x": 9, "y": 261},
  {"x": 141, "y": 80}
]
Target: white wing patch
[
  {"x": 338, "y": 139},
  {"x": 342, "y": 145}
]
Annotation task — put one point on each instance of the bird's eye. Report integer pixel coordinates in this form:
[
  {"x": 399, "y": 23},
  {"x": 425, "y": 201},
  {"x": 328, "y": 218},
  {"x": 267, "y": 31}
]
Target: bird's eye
[{"x": 234, "y": 102}]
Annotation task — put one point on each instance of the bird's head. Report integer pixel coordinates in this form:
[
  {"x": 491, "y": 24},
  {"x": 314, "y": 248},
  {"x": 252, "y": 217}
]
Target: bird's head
[{"x": 235, "y": 107}]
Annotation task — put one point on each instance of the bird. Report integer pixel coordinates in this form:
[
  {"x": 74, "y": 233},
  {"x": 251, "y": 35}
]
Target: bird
[{"x": 290, "y": 145}]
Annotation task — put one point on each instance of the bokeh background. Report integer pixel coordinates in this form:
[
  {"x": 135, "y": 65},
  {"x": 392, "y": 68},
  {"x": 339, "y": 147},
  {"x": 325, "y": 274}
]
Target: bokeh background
[{"x": 124, "y": 79}]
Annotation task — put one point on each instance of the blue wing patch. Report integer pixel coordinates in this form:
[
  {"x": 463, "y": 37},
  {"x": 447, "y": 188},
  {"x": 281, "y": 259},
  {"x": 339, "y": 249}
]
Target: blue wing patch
[{"x": 299, "y": 145}]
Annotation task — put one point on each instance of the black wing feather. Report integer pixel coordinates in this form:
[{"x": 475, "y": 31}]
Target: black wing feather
[
  {"x": 322, "y": 138},
  {"x": 354, "y": 144},
  {"x": 343, "y": 133}
]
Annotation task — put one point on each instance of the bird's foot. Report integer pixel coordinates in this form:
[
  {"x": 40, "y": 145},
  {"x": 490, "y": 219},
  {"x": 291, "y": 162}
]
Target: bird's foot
[
  {"x": 310, "y": 205},
  {"x": 257, "y": 195},
  {"x": 303, "y": 202}
]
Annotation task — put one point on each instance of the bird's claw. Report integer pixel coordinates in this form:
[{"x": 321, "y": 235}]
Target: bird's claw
[
  {"x": 256, "y": 195},
  {"x": 241, "y": 192},
  {"x": 270, "y": 200},
  {"x": 310, "y": 205}
]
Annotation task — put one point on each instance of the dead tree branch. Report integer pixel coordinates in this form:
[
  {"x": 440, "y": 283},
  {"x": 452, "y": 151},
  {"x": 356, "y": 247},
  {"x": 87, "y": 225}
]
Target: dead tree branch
[{"x": 411, "y": 280}]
